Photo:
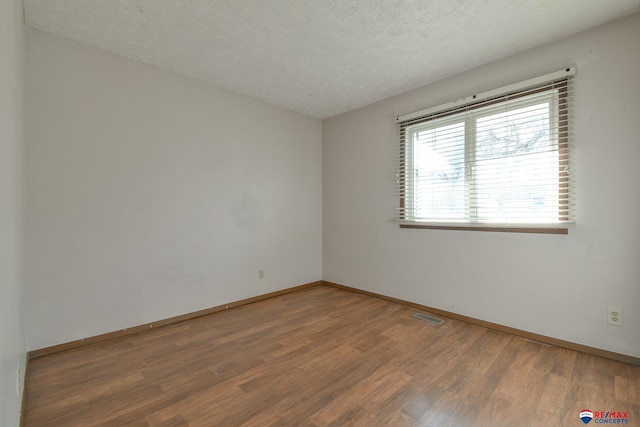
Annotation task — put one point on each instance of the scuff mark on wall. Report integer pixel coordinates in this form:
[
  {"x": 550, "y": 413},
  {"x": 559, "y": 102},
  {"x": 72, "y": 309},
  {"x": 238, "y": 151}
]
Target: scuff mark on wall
[{"x": 249, "y": 210}]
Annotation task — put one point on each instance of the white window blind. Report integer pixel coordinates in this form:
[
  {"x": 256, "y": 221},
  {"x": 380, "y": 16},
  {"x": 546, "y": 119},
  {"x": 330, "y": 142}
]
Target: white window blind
[{"x": 501, "y": 159}]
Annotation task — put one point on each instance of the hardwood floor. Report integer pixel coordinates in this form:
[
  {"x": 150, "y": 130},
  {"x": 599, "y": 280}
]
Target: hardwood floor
[{"x": 324, "y": 357}]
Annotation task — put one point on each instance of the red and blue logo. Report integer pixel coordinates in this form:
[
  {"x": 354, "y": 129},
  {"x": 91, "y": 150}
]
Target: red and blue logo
[
  {"x": 604, "y": 417},
  {"x": 586, "y": 416}
]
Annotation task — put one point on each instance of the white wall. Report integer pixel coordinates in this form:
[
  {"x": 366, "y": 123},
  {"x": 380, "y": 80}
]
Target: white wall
[
  {"x": 151, "y": 195},
  {"x": 557, "y": 286},
  {"x": 12, "y": 324}
]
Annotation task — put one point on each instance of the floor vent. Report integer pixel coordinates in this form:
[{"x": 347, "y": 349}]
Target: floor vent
[{"x": 430, "y": 319}]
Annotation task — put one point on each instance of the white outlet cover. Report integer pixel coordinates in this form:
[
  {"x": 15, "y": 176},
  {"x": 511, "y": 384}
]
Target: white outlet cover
[{"x": 614, "y": 316}]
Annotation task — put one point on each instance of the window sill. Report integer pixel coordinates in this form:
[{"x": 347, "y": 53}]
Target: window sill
[{"x": 507, "y": 228}]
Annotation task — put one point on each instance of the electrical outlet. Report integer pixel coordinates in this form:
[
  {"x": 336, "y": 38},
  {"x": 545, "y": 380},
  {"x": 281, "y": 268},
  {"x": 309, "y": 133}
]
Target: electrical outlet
[
  {"x": 261, "y": 274},
  {"x": 614, "y": 316}
]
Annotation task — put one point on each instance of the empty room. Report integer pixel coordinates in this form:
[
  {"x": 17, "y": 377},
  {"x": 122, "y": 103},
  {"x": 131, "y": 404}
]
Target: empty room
[{"x": 319, "y": 213}]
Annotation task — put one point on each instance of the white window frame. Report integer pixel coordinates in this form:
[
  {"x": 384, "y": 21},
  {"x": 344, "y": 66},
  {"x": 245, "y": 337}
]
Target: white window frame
[{"x": 469, "y": 114}]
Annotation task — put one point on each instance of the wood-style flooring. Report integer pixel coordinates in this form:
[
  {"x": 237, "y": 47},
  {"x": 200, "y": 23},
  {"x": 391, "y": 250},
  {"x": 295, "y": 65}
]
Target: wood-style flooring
[{"x": 324, "y": 357}]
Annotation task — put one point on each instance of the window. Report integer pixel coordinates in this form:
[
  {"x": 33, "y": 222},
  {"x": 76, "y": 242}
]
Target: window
[{"x": 497, "y": 162}]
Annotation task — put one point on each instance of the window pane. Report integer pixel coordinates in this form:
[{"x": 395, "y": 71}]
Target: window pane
[
  {"x": 516, "y": 173},
  {"x": 439, "y": 182}
]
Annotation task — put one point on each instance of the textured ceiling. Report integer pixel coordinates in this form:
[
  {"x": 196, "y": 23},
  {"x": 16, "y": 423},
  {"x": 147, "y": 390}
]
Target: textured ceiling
[{"x": 319, "y": 57}]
